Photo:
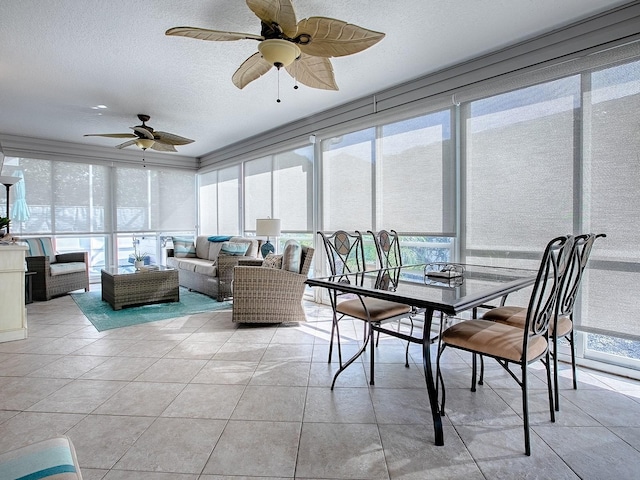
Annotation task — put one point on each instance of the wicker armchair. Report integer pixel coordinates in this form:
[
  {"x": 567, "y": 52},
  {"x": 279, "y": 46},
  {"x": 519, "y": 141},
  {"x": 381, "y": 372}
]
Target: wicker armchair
[
  {"x": 270, "y": 295},
  {"x": 55, "y": 274}
]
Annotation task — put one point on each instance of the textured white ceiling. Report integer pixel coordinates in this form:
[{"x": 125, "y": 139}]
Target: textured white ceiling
[{"x": 58, "y": 58}]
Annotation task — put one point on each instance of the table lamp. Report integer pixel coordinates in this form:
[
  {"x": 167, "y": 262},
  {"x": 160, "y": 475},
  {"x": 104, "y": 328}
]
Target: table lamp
[
  {"x": 267, "y": 227},
  {"x": 7, "y": 182}
]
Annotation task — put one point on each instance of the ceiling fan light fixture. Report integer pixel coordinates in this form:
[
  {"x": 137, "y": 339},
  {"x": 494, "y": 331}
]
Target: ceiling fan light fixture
[
  {"x": 278, "y": 52},
  {"x": 144, "y": 143}
]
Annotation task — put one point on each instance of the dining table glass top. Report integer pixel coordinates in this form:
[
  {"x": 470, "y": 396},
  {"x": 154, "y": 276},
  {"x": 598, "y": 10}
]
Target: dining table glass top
[{"x": 450, "y": 288}]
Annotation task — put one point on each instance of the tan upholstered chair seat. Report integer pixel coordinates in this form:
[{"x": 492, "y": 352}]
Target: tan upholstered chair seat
[
  {"x": 494, "y": 339},
  {"x": 378, "y": 309},
  {"x": 516, "y": 316}
]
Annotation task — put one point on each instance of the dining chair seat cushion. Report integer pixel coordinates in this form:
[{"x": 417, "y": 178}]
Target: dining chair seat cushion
[
  {"x": 517, "y": 316},
  {"x": 494, "y": 339},
  {"x": 378, "y": 309}
]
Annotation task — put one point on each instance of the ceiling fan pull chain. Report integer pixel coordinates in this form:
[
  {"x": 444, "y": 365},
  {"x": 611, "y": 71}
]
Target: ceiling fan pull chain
[
  {"x": 295, "y": 74},
  {"x": 278, "y": 100}
]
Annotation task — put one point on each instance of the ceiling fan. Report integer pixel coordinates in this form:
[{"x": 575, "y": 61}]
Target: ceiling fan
[
  {"x": 146, "y": 137},
  {"x": 303, "y": 48}
]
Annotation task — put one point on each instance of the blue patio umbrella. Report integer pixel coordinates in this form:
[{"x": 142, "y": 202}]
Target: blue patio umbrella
[{"x": 20, "y": 209}]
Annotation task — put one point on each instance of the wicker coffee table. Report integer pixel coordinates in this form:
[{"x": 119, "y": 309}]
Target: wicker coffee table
[{"x": 126, "y": 286}]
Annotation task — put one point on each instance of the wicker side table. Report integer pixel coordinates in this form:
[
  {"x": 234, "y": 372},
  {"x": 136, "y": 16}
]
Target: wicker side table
[{"x": 125, "y": 287}]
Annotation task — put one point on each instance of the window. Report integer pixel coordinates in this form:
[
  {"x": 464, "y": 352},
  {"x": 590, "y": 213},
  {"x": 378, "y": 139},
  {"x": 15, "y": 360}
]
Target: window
[
  {"x": 280, "y": 186},
  {"x": 347, "y": 173},
  {"x": 414, "y": 184},
  {"x": 149, "y": 199},
  {"x": 220, "y": 202},
  {"x": 519, "y": 150},
  {"x": 398, "y": 176},
  {"x": 611, "y": 201},
  {"x": 83, "y": 209}
]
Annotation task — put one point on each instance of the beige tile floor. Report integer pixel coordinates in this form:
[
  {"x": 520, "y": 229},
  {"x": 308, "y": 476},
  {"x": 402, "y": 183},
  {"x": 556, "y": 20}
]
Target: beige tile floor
[{"x": 201, "y": 398}]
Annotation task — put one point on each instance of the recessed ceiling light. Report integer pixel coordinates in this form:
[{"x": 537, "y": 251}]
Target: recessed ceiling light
[{"x": 98, "y": 107}]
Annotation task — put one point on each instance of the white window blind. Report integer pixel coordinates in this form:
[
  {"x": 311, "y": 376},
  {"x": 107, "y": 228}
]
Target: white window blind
[
  {"x": 347, "y": 174},
  {"x": 257, "y": 191},
  {"x": 561, "y": 157},
  {"x": 611, "y": 198},
  {"x": 62, "y": 197},
  {"x": 415, "y": 176},
  {"x": 519, "y": 149},
  {"x": 208, "y": 202},
  {"x": 229, "y": 201},
  {"x": 293, "y": 189},
  {"x": 398, "y": 176},
  {"x": 148, "y": 199}
]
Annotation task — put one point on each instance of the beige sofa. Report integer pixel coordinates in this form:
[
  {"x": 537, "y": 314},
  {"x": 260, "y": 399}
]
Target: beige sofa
[{"x": 204, "y": 267}]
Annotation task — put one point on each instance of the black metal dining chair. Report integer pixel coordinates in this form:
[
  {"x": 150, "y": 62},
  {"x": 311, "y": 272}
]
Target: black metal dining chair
[
  {"x": 345, "y": 255},
  {"x": 511, "y": 345},
  {"x": 387, "y": 243},
  {"x": 562, "y": 325}
]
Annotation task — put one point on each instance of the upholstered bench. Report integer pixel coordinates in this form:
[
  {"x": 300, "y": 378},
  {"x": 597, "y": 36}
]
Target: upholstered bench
[{"x": 53, "y": 459}]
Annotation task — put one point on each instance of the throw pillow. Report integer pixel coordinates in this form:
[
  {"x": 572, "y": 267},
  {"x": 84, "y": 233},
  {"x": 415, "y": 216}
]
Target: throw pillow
[
  {"x": 234, "y": 248},
  {"x": 292, "y": 256},
  {"x": 219, "y": 238},
  {"x": 272, "y": 261},
  {"x": 183, "y": 247}
]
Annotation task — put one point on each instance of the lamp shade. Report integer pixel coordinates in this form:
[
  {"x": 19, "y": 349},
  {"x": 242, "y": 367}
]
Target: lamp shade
[
  {"x": 268, "y": 227},
  {"x": 278, "y": 52},
  {"x": 145, "y": 143},
  {"x": 8, "y": 181}
]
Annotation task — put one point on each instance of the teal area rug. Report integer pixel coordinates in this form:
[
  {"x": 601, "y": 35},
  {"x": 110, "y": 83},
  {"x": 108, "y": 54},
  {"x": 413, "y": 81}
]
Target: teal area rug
[{"x": 104, "y": 317}]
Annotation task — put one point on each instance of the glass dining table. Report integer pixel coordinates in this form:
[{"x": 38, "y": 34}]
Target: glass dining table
[{"x": 435, "y": 287}]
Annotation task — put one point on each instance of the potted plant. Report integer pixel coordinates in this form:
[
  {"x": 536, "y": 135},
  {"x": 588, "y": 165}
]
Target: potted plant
[
  {"x": 4, "y": 223},
  {"x": 137, "y": 256}
]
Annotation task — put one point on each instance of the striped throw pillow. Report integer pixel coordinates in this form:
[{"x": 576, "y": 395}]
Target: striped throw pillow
[
  {"x": 183, "y": 247},
  {"x": 54, "y": 458},
  {"x": 41, "y": 247}
]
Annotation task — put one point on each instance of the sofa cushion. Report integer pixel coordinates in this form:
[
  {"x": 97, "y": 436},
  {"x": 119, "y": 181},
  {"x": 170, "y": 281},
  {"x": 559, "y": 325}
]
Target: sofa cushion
[
  {"x": 292, "y": 256},
  {"x": 183, "y": 247},
  {"x": 206, "y": 268},
  {"x": 69, "y": 267},
  {"x": 193, "y": 265},
  {"x": 234, "y": 248},
  {"x": 272, "y": 261}
]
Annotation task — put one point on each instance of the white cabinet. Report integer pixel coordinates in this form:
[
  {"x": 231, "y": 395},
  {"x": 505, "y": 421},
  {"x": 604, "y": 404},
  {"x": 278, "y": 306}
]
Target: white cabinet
[{"x": 13, "y": 314}]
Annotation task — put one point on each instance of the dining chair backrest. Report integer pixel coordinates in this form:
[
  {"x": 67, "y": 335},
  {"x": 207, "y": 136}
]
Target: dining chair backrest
[
  {"x": 387, "y": 245},
  {"x": 345, "y": 252},
  {"x": 573, "y": 277},
  {"x": 544, "y": 297}
]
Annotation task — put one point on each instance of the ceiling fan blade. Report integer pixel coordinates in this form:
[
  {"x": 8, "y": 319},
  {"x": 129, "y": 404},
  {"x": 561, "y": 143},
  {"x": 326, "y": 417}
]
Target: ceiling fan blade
[
  {"x": 171, "y": 139},
  {"x": 252, "y": 68},
  {"x": 162, "y": 147},
  {"x": 142, "y": 132},
  {"x": 314, "y": 72},
  {"x": 214, "y": 35},
  {"x": 276, "y": 11},
  {"x": 111, "y": 135},
  {"x": 126, "y": 144},
  {"x": 335, "y": 38}
]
